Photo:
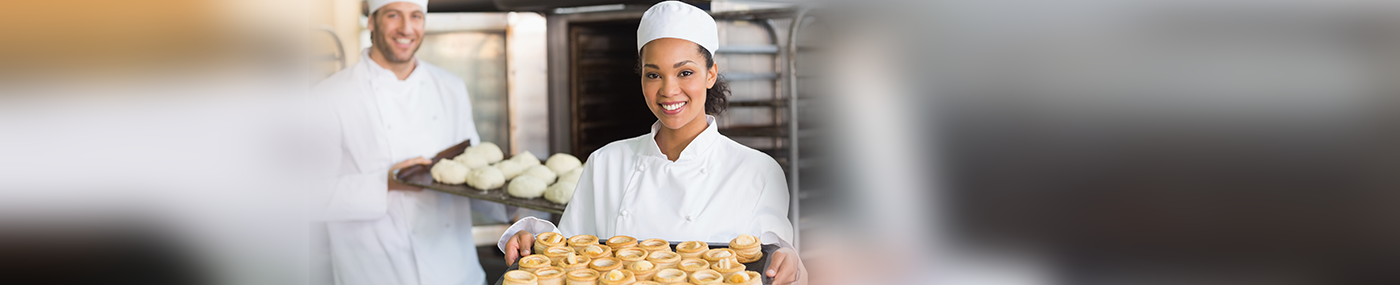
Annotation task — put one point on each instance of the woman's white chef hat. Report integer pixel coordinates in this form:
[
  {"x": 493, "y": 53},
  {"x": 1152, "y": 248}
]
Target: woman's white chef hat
[
  {"x": 674, "y": 19},
  {"x": 375, "y": 4}
]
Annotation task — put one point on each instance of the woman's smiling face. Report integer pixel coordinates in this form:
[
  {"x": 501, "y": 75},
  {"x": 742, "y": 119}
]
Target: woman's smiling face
[{"x": 674, "y": 81}]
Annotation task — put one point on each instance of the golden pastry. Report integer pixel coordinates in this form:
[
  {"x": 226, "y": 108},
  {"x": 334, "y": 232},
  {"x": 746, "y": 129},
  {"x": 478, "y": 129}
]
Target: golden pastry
[
  {"x": 621, "y": 242},
  {"x": 605, "y": 264},
  {"x": 664, "y": 259},
  {"x": 573, "y": 262},
  {"x": 692, "y": 249},
  {"x": 552, "y": 275},
  {"x": 706, "y": 277},
  {"x": 693, "y": 265},
  {"x": 647, "y": 283},
  {"x": 534, "y": 261},
  {"x": 643, "y": 269},
  {"x": 545, "y": 240},
  {"x": 670, "y": 275},
  {"x": 746, "y": 248},
  {"x": 579, "y": 241},
  {"x": 655, "y": 244},
  {"x": 727, "y": 266},
  {"x": 581, "y": 277},
  {"x": 520, "y": 277},
  {"x": 596, "y": 251},
  {"x": 617, "y": 277},
  {"x": 557, "y": 252},
  {"x": 714, "y": 255},
  {"x": 630, "y": 255},
  {"x": 744, "y": 278}
]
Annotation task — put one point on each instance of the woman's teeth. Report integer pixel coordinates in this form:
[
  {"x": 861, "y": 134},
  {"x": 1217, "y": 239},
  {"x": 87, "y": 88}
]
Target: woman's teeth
[{"x": 673, "y": 107}]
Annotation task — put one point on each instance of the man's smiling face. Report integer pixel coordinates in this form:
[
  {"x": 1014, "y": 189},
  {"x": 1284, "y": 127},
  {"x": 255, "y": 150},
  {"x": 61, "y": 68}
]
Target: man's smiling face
[{"x": 396, "y": 31}]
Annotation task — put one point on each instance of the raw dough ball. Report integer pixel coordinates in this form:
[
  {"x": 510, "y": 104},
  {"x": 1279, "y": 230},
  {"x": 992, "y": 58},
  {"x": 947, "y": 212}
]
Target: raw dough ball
[
  {"x": 527, "y": 158},
  {"x": 472, "y": 159},
  {"x": 540, "y": 172},
  {"x": 448, "y": 171},
  {"x": 561, "y": 192},
  {"x": 486, "y": 178},
  {"x": 562, "y": 163},
  {"x": 526, "y": 187},
  {"x": 488, "y": 151},
  {"x": 572, "y": 175},
  {"x": 511, "y": 168}
]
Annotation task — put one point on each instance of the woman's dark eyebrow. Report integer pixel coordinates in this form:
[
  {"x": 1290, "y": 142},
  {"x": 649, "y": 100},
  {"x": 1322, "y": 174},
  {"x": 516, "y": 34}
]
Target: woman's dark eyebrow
[{"x": 678, "y": 64}]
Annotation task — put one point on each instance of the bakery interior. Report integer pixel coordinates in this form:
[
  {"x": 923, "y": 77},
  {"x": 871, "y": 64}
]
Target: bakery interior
[
  {"x": 923, "y": 142},
  {"x": 546, "y": 77}
]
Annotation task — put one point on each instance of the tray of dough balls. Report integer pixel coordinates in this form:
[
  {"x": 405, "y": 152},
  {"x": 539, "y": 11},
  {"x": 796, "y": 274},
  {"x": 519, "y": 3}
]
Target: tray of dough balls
[
  {"x": 483, "y": 172},
  {"x": 584, "y": 259}
]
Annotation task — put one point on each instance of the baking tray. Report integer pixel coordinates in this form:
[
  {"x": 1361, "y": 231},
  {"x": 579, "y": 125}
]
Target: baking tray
[
  {"x": 420, "y": 175},
  {"x": 761, "y": 264}
]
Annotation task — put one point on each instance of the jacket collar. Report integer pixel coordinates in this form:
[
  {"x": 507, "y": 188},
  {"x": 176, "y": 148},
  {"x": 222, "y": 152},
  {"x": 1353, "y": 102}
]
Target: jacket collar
[
  {"x": 697, "y": 149},
  {"x": 380, "y": 74}
]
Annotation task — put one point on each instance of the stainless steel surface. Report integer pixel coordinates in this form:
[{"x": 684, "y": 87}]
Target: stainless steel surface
[
  {"x": 339, "y": 55},
  {"x": 794, "y": 168}
]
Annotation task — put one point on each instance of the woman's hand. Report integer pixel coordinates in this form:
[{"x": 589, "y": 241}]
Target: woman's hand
[
  {"x": 519, "y": 245},
  {"x": 785, "y": 267}
]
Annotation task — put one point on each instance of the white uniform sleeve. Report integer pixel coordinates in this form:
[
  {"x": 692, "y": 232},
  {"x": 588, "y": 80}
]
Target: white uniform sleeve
[
  {"x": 466, "y": 129},
  {"x": 771, "y": 212},
  {"x": 341, "y": 191},
  {"x": 530, "y": 224},
  {"x": 359, "y": 196}
]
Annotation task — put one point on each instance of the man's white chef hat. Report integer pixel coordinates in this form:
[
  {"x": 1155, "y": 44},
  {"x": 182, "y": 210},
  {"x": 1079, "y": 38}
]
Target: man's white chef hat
[
  {"x": 674, "y": 19},
  {"x": 375, "y": 4}
]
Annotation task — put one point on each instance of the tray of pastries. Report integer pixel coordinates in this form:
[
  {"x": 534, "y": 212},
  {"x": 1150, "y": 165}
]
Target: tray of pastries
[
  {"x": 586, "y": 259},
  {"x": 483, "y": 172}
]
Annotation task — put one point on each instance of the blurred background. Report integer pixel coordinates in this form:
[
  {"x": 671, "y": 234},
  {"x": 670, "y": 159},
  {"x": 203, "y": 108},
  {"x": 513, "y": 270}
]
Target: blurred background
[{"x": 925, "y": 142}]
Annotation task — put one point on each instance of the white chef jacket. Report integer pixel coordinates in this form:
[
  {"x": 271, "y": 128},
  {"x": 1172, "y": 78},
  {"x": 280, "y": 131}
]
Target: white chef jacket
[
  {"x": 716, "y": 190},
  {"x": 378, "y": 236}
]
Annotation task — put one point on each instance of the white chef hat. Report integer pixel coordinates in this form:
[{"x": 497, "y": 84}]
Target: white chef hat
[
  {"x": 375, "y": 4},
  {"x": 674, "y": 19}
]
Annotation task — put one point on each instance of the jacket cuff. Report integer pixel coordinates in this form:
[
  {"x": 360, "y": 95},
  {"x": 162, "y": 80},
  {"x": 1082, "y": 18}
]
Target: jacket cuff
[{"x": 531, "y": 224}]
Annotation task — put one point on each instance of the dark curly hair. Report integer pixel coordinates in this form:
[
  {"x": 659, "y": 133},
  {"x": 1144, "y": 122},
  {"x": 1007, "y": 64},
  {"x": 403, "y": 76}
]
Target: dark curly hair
[{"x": 717, "y": 97}]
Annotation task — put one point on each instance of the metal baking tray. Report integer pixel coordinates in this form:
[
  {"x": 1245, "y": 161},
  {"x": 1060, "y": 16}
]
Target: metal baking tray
[
  {"x": 761, "y": 264},
  {"x": 419, "y": 175}
]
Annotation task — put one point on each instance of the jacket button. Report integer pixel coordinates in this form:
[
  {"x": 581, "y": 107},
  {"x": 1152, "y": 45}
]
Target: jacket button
[{"x": 641, "y": 167}]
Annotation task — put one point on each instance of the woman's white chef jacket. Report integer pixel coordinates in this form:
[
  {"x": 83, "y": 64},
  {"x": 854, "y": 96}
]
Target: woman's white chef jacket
[
  {"x": 716, "y": 190},
  {"x": 378, "y": 236}
]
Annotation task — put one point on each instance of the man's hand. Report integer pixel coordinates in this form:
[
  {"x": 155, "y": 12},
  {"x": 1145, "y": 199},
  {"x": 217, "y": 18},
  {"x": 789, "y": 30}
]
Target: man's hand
[
  {"x": 394, "y": 185},
  {"x": 519, "y": 245},
  {"x": 785, "y": 267}
]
